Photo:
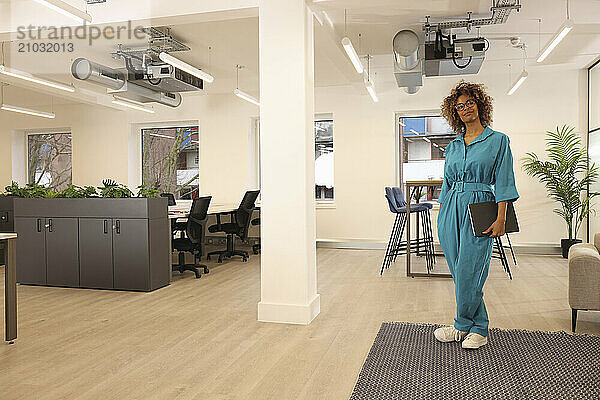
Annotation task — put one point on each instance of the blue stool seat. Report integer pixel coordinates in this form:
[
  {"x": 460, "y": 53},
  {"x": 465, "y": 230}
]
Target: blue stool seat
[{"x": 416, "y": 208}]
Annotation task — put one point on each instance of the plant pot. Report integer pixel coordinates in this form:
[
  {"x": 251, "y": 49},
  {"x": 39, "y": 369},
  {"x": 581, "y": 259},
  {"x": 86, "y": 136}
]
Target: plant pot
[{"x": 566, "y": 244}]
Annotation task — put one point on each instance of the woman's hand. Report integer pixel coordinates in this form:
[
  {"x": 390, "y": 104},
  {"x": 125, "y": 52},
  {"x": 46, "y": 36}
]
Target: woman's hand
[{"x": 497, "y": 228}]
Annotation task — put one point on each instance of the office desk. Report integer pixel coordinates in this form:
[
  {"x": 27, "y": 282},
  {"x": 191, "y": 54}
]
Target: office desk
[
  {"x": 414, "y": 185},
  {"x": 8, "y": 241},
  {"x": 176, "y": 212}
]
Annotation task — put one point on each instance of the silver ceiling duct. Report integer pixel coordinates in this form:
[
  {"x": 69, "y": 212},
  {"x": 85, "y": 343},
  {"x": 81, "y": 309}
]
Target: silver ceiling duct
[
  {"x": 407, "y": 66},
  {"x": 117, "y": 83},
  {"x": 406, "y": 46},
  {"x": 86, "y": 70}
]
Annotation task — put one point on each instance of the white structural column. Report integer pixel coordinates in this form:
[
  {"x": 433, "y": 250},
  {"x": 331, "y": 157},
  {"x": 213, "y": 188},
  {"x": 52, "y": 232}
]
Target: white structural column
[{"x": 288, "y": 253}]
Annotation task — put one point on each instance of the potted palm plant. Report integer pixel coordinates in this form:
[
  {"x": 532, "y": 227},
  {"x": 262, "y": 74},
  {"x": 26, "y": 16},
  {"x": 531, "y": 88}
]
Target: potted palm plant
[{"x": 566, "y": 176}]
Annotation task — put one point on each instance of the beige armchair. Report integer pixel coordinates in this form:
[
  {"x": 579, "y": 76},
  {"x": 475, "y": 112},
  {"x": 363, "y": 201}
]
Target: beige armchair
[{"x": 584, "y": 277}]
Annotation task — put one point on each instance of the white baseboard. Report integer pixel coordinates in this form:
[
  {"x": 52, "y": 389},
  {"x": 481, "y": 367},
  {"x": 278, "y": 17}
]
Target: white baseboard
[
  {"x": 301, "y": 314},
  {"x": 523, "y": 248}
]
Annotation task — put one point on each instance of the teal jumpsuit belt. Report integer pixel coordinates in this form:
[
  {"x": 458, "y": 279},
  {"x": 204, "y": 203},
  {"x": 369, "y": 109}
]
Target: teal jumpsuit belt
[
  {"x": 461, "y": 186},
  {"x": 468, "y": 256}
]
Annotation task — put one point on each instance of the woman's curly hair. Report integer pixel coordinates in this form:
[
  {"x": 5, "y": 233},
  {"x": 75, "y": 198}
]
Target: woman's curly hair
[{"x": 483, "y": 100}]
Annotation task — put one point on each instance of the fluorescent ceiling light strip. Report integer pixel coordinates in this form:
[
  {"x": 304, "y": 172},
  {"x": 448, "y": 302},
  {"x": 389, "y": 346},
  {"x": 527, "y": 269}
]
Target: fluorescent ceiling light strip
[
  {"x": 4, "y": 70},
  {"x": 565, "y": 28},
  {"x": 132, "y": 105},
  {"x": 427, "y": 140},
  {"x": 372, "y": 93},
  {"x": 353, "y": 55},
  {"x": 246, "y": 96},
  {"x": 370, "y": 87},
  {"x": 415, "y": 132},
  {"x": 328, "y": 19},
  {"x": 27, "y": 111},
  {"x": 177, "y": 63},
  {"x": 316, "y": 15},
  {"x": 67, "y": 9},
  {"x": 401, "y": 123},
  {"x": 518, "y": 82}
]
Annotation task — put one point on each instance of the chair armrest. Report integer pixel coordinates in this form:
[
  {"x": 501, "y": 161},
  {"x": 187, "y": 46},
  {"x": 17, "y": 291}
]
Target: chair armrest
[
  {"x": 597, "y": 240},
  {"x": 584, "y": 277}
]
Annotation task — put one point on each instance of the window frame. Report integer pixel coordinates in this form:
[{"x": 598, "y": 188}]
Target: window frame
[
  {"x": 61, "y": 131},
  {"x": 254, "y": 170},
  {"x": 398, "y": 161},
  {"x": 183, "y": 124},
  {"x": 589, "y": 130},
  {"x": 326, "y": 203}
]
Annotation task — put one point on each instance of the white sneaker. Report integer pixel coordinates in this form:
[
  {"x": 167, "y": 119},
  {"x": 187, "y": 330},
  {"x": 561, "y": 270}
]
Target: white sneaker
[
  {"x": 474, "y": 341},
  {"x": 447, "y": 334}
]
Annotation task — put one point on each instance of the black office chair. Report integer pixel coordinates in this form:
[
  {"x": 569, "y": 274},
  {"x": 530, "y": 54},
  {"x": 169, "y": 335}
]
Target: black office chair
[
  {"x": 175, "y": 226},
  {"x": 170, "y": 197},
  {"x": 193, "y": 241},
  {"x": 238, "y": 225},
  {"x": 256, "y": 247}
]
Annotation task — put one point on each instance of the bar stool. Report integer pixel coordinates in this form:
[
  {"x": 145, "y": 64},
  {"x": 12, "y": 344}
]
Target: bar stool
[
  {"x": 425, "y": 217},
  {"x": 396, "y": 245},
  {"x": 498, "y": 252}
]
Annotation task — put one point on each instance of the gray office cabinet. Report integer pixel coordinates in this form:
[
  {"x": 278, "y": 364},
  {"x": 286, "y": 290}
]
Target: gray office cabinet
[
  {"x": 96, "y": 253},
  {"x": 130, "y": 240},
  {"x": 31, "y": 250},
  {"x": 91, "y": 243},
  {"x": 62, "y": 255}
]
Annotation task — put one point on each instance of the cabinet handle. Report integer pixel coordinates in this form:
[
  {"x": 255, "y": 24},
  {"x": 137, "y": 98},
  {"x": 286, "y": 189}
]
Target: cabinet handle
[
  {"x": 39, "y": 225},
  {"x": 118, "y": 227},
  {"x": 105, "y": 227},
  {"x": 49, "y": 225}
]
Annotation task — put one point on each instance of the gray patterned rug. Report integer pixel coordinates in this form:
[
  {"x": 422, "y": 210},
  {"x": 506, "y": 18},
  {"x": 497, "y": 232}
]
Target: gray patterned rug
[{"x": 407, "y": 362}]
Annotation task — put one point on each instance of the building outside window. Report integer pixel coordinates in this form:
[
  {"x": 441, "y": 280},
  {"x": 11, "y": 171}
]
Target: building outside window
[
  {"x": 49, "y": 160},
  {"x": 423, "y": 143},
  {"x": 324, "y": 159},
  {"x": 170, "y": 160}
]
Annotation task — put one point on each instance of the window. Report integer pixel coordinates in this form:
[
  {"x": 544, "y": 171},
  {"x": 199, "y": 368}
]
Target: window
[
  {"x": 594, "y": 119},
  {"x": 49, "y": 159},
  {"x": 170, "y": 160},
  {"x": 324, "y": 159},
  {"x": 423, "y": 142}
]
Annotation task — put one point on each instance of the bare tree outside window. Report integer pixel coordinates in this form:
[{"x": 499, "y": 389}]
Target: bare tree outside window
[
  {"x": 49, "y": 160},
  {"x": 170, "y": 160}
]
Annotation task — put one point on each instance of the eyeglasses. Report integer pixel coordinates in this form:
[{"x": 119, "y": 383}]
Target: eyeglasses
[{"x": 467, "y": 104}]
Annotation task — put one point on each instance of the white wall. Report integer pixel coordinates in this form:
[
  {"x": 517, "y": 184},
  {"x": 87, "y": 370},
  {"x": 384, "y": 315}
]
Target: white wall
[
  {"x": 103, "y": 146},
  {"x": 365, "y": 149},
  {"x": 106, "y": 143}
]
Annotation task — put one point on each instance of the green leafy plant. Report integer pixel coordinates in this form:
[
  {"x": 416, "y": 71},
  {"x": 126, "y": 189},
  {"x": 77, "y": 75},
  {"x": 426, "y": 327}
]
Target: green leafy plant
[
  {"x": 30, "y": 191},
  {"x": 77, "y": 192},
  {"x": 147, "y": 191},
  {"x": 565, "y": 176},
  {"x": 112, "y": 189}
]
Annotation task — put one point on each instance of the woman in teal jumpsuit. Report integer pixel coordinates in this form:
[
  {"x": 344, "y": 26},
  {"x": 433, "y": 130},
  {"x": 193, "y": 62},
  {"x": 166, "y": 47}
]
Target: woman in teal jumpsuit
[{"x": 478, "y": 167}]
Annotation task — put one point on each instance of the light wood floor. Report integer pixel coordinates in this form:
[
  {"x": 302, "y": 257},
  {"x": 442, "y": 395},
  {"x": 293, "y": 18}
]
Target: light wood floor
[{"x": 199, "y": 339}]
